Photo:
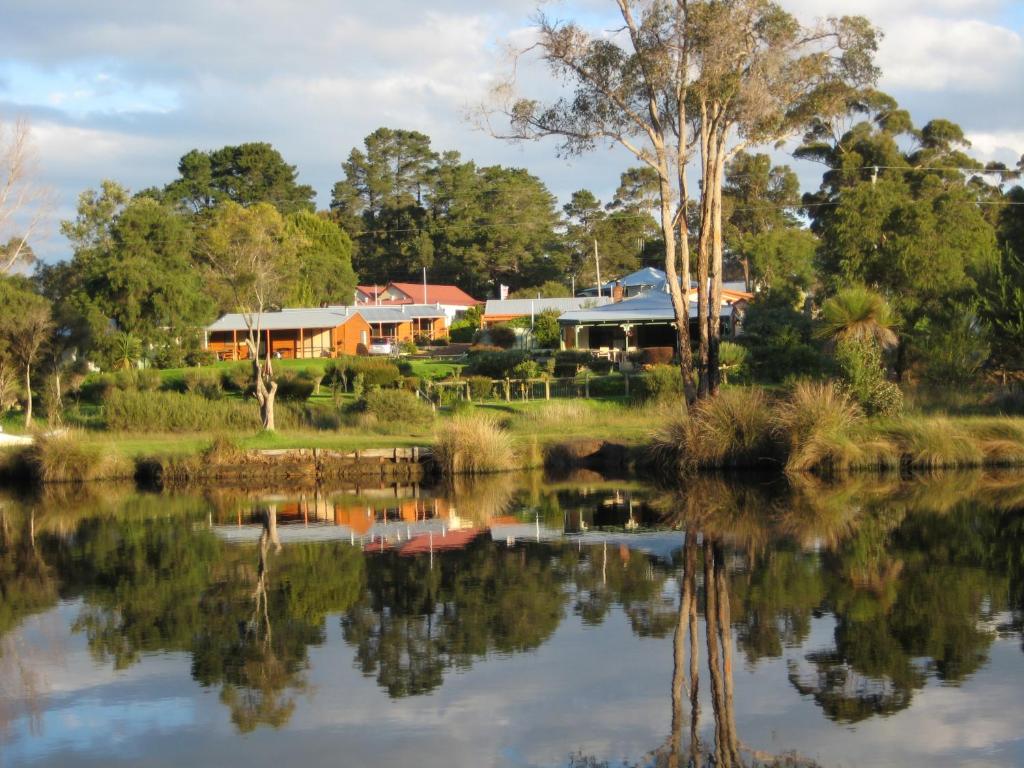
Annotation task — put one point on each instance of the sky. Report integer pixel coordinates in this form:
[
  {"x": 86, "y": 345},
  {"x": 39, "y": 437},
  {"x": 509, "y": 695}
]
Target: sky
[{"x": 122, "y": 90}]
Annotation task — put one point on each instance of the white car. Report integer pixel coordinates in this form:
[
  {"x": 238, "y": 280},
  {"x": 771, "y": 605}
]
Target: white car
[{"x": 381, "y": 345}]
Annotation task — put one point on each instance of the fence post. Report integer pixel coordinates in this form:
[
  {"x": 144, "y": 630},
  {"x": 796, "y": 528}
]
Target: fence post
[
  {"x": 508, "y": 390},
  {"x": 586, "y": 385},
  {"x": 547, "y": 389},
  {"x": 625, "y": 377}
]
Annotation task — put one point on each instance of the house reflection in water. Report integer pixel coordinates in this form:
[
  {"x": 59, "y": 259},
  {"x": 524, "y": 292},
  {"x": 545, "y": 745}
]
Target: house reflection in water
[{"x": 417, "y": 519}]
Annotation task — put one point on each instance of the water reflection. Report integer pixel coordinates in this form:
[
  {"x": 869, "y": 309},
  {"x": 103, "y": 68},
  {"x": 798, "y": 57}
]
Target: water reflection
[{"x": 867, "y": 592}]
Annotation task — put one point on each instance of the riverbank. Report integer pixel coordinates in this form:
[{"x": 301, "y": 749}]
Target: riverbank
[{"x": 740, "y": 430}]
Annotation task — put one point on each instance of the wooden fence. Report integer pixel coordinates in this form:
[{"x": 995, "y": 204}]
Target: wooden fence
[{"x": 583, "y": 386}]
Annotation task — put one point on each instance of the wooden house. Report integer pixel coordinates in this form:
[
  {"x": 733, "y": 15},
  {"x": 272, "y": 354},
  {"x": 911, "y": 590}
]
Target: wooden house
[{"x": 323, "y": 331}]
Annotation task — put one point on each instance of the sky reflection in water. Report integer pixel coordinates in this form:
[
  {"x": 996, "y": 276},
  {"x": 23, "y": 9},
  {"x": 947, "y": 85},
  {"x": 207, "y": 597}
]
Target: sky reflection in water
[{"x": 517, "y": 621}]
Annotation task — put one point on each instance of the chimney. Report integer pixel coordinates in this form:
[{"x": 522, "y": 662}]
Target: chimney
[{"x": 617, "y": 292}]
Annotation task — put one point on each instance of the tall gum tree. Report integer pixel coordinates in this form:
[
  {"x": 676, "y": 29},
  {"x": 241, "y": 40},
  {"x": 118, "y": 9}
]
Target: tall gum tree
[
  {"x": 759, "y": 77},
  {"x": 692, "y": 77},
  {"x": 24, "y": 203},
  {"x": 252, "y": 257},
  {"x": 629, "y": 89}
]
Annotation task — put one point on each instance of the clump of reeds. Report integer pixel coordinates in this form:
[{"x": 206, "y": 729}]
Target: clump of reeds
[
  {"x": 814, "y": 424},
  {"x": 732, "y": 429},
  {"x": 933, "y": 443},
  {"x": 817, "y": 427},
  {"x": 64, "y": 459},
  {"x": 222, "y": 450},
  {"x": 671, "y": 439},
  {"x": 473, "y": 444}
]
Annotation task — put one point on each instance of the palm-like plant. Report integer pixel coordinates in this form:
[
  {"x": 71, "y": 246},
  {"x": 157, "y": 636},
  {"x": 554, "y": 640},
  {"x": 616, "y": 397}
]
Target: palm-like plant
[
  {"x": 127, "y": 351},
  {"x": 858, "y": 314}
]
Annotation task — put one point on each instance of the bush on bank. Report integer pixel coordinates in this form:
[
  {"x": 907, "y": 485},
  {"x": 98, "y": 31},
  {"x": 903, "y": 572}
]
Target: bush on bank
[{"x": 818, "y": 427}]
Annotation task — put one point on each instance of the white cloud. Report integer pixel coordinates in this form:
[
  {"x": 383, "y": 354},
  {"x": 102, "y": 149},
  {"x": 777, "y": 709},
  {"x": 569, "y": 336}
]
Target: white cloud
[
  {"x": 123, "y": 90},
  {"x": 934, "y": 54}
]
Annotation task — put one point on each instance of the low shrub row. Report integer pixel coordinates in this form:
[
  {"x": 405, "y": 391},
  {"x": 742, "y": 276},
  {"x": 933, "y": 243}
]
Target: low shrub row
[{"x": 133, "y": 411}]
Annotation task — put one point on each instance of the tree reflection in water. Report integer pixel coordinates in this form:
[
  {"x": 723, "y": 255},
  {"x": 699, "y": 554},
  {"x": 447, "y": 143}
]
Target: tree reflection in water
[{"x": 918, "y": 578}]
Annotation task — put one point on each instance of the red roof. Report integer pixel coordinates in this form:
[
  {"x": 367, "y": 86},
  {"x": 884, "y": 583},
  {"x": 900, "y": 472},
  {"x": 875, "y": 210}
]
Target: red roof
[
  {"x": 370, "y": 290},
  {"x": 436, "y": 294},
  {"x": 424, "y": 542}
]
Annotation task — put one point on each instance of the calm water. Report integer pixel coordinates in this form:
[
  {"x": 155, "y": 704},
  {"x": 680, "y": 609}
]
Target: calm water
[{"x": 517, "y": 622}]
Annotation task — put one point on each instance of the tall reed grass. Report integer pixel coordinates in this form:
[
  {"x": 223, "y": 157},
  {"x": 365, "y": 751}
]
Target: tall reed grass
[
  {"x": 816, "y": 427},
  {"x": 473, "y": 444},
  {"x": 61, "y": 458}
]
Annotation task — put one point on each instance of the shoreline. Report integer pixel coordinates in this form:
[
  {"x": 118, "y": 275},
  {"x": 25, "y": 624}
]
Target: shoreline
[{"x": 203, "y": 463}]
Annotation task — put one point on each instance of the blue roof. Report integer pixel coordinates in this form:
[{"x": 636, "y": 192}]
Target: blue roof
[
  {"x": 648, "y": 277},
  {"x": 654, "y": 306},
  {"x": 536, "y": 306}
]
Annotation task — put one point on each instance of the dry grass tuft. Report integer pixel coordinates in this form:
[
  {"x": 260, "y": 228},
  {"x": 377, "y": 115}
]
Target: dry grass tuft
[
  {"x": 473, "y": 444},
  {"x": 61, "y": 458}
]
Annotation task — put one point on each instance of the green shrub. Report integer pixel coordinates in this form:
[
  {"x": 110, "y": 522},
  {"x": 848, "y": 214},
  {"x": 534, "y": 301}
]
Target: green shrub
[
  {"x": 237, "y": 377},
  {"x": 607, "y": 386},
  {"x": 127, "y": 379},
  {"x": 97, "y": 387},
  {"x": 314, "y": 375},
  {"x": 408, "y": 347},
  {"x": 496, "y": 365},
  {"x": 525, "y": 369},
  {"x": 546, "y": 333},
  {"x": 886, "y": 400},
  {"x": 953, "y": 354},
  {"x": 294, "y": 388},
  {"x": 320, "y": 416},
  {"x": 659, "y": 383},
  {"x": 394, "y": 407},
  {"x": 334, "y": 378},
  {"x": 461, "y": 407},
  {"x": 202, "y": 357},
  {"x": 462, "y": 331},
  {"x": 502, "y": 336},
  {"x": 174, "y": 412},
  {"x": 568, "y": 362},
  {"x": 860, "y": 361},
  {"x": 480, "y": 387},
  {"x": 149, "y": 380},
  {"x": 777, "y": 336},
  {"x": 375, "y": 372},
  {"x": 657, "y": 355}
]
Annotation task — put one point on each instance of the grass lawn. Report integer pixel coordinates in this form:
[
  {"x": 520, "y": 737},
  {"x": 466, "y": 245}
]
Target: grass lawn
[{"x": 534, "y": 421}]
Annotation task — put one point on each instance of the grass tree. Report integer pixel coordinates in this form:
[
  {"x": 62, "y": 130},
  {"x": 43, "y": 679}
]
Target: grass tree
[
  {"x": 858, "y": 313},
  {"x": 860, "y": 322},
  {"x": 252, "y": 256}
]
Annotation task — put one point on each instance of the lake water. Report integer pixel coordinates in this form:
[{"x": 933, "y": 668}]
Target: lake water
[{"x": 517, "y": 621}]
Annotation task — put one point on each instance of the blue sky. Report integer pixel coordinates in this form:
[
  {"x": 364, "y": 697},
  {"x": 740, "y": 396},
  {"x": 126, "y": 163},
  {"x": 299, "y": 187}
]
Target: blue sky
[{"x": 123, "y": 89}]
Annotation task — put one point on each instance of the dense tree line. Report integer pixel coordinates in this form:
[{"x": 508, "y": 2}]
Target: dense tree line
[{"x": 905, "y": 211}]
